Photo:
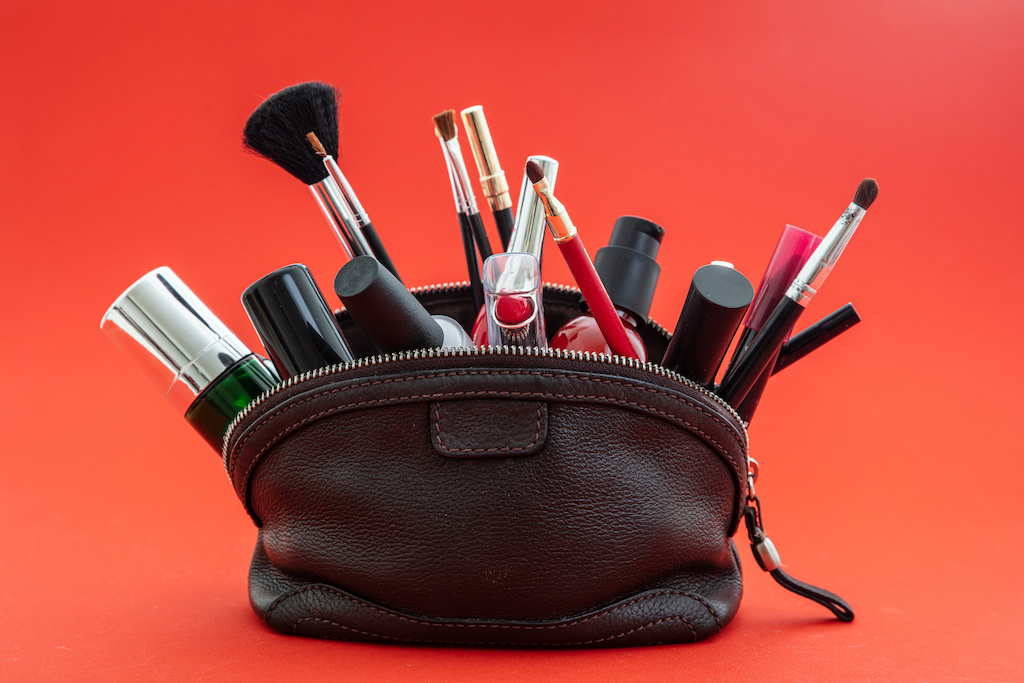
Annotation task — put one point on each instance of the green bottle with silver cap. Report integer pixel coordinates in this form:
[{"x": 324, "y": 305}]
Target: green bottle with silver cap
[{"x": 202, "y": 367}]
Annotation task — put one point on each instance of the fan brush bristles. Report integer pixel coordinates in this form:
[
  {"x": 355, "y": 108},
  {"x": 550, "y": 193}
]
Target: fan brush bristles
[
  {"x": 277, "y": 129},
  {"x": 867, "y": 191}
]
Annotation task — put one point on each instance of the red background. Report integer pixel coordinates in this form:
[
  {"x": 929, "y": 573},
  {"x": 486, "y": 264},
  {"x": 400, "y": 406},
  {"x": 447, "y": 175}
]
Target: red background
[{"x": 891, "y": 459}]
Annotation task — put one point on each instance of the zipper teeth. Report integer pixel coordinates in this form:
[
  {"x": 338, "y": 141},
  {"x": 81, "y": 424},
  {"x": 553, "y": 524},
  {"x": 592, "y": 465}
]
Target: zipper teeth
[{"x": 477, "y": 351}]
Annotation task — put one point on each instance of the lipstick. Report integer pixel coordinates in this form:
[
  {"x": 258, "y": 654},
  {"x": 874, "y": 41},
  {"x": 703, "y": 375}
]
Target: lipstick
[
  {"x": 529, "y": 229},
  {"x": 202, "y": 367},
  {"x": 512, "y": 301},
  {"x": 793, "y": 249},
  {"x": 492, "y": 177}
]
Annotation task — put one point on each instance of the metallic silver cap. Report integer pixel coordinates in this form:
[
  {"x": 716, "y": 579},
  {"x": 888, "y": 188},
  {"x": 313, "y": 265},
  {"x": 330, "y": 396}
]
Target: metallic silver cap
[
  {"x": 531, "y": 224},
  {"x": 178, "y": 341}
]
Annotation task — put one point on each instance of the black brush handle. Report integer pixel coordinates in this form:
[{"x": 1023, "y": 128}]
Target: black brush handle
[
  {"x": 476, "y": 223},
  {"x": 750, "y": 402},
  {"x": 504, "y": 220},
  {"x": 761, "y": 352},
  {"x": 476, "y": 285},
  {"x": 746, "y": 336},
  {"x": 377, "y": 247},
  {"x": 817, "y": 335}
]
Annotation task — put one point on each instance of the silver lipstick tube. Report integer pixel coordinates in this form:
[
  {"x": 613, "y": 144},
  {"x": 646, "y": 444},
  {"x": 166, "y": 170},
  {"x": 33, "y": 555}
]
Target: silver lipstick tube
[
  {"x": 530, "y": 226},
  {"x": 459, "y": 168}
]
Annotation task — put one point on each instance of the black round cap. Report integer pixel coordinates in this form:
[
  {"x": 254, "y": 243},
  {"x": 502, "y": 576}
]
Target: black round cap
[
  {"x": 384, "y": 309},
  {"x": 714, "y": 307},
  {"x": 627, "y": 266},
  {"x": 294, "y": 322}
]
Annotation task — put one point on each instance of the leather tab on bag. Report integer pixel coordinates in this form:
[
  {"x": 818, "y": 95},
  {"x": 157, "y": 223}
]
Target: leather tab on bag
[{"x": 488, "y": 428}]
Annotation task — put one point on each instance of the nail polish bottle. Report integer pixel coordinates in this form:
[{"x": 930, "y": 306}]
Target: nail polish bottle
[
  {"x": 629, "y": 272},
  {"x": 203, "y": 368}
]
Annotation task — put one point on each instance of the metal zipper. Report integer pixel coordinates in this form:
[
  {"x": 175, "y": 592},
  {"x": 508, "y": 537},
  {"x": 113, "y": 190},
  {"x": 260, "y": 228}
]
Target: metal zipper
[{"x": 478, "y": 351}]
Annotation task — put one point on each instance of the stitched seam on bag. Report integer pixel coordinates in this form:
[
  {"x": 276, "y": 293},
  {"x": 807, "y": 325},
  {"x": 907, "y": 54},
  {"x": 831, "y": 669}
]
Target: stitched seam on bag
[
  {"x": 397, "y": 399},
  {"x": 503, "y": 449},
  {"x": 421, "y": 622},
  {"x": 635, "y": 404},
  {"x": 295, "y": 628},
  {"x": 535, "y": 373}
]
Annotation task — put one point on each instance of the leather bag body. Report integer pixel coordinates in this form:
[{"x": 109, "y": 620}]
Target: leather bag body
[{"x": 493, "y": 497}]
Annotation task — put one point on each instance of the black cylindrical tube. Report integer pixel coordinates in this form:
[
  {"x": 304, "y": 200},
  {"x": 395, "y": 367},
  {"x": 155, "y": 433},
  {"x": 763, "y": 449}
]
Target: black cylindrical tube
[
  {"x": 293, "y": 321},
  {"x": 718, "y": 298},
  {"x": 385, "y": 311}
]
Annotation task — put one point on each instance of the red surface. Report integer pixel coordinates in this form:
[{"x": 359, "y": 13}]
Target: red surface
[{"x": 891, "y": 459}]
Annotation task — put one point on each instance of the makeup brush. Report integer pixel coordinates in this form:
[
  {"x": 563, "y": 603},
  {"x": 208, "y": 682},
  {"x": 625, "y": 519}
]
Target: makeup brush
[
  {"x": 492, "y": 178},
  {"x": 764, "y": 349},
  {"x": 582, "y": 268},
  {"x": 365, "y": 226},
  {"x": 446, "y": 126},
  {"x": 469, "y": 249},
  {"x": 277, "y": 130}
]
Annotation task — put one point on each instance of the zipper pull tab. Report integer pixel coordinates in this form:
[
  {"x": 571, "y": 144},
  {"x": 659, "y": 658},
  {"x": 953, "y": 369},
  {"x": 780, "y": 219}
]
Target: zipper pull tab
[{"x": 768, "y": 557}]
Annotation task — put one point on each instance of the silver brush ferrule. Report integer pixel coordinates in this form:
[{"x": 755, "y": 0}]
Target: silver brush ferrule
[
  {"x": 346, "y": 190},
  {"x": 459, "y": 168},
  {"x": 828, "y": 251},
  {"x": 332, "y": 202}
]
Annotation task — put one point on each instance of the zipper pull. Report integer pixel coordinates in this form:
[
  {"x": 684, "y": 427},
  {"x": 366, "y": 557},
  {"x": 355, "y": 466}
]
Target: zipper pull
[{"x": 767, "y": 556}]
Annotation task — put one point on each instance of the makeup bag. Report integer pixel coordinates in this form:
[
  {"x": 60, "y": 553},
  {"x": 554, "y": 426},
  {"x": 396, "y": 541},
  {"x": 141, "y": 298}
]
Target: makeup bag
[{"x": 498, "y": 497}]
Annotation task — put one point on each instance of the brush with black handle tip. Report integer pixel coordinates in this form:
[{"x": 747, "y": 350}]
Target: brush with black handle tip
[
  {"x": 378, "y": 251},
  {"x": 449, "y": 135},
  {"x": 764, "y": 349}
]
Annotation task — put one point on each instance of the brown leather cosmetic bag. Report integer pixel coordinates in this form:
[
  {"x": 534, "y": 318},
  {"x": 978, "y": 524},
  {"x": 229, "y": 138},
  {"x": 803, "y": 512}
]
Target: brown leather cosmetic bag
[{"x": 498, "y": 497}]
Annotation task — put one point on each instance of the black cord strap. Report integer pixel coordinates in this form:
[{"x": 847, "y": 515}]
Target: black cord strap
[{"x": 768, "y": 558}]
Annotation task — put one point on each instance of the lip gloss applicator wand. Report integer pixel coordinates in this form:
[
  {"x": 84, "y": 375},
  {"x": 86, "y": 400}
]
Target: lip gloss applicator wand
[
  {"x": 582, "y": 268},
  {"x": 765, "y": 346}
]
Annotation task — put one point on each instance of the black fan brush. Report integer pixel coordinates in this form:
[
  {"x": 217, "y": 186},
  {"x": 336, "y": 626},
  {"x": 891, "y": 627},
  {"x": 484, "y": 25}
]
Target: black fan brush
[{"x": 277, "y": 130}]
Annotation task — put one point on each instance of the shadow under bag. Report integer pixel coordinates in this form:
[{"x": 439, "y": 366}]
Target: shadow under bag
[{"x": 492, "y": 497}]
